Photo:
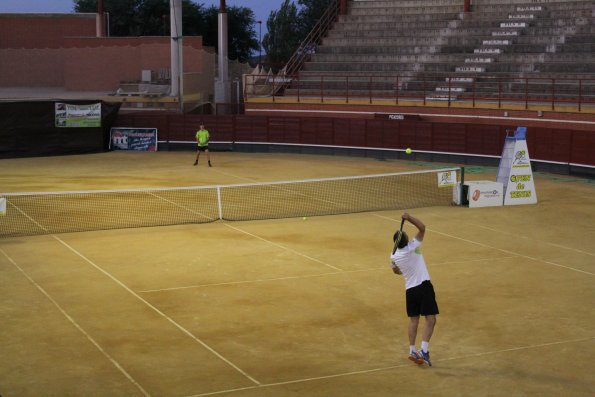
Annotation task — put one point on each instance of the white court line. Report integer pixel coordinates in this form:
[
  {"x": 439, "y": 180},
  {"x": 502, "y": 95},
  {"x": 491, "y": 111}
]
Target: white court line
[
  {"x": 77, "y": 326},
  {"x": 343, "y": 272},
  {"x": 28, "y": 217},
  {"x": 367, "y": 371},
  {"x": 283, "y": 247},
  {"x": 498, "y": 249},
  {"x": 165, "y": 316},
  {"x": 523, "y": 237}
]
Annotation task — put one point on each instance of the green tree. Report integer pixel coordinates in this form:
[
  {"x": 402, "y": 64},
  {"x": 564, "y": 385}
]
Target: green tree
[
  {"x": 241, "y": 34},
  {"x": 283, "y": 36},
  {"x": 289, "y": 26},
  {"x": 310, "y": 13}
]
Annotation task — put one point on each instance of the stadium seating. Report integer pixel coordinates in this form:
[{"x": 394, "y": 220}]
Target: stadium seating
[{"x": 432, "y": 50}]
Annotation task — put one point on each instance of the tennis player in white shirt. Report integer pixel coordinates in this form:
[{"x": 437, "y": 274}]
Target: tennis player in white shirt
[{"x": 419, "y": 292}]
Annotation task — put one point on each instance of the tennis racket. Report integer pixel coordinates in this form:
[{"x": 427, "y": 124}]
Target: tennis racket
[{"x": 398, "y": 236}]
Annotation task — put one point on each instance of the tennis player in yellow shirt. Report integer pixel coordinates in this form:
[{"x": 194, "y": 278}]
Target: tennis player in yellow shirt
[{"x": 202, "y": 139}]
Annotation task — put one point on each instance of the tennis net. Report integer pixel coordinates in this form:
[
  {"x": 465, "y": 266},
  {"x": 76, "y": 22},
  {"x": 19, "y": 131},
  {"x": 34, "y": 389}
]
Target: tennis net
[{"x": 29, "y": 214}]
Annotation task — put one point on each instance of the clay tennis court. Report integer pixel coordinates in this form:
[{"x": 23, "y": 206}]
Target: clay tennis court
[{"x": 293, "y": 307}]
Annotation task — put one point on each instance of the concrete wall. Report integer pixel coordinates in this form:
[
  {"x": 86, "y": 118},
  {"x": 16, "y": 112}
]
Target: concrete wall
[
  {"x": 39, "y": 31},
  {"x": 61, "y": 50}
]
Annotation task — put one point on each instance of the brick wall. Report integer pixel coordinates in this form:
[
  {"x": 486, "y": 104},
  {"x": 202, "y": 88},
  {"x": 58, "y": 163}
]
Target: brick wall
[
  {"x": 30, "y": 31},
  {"x": 61, "y": 50}
]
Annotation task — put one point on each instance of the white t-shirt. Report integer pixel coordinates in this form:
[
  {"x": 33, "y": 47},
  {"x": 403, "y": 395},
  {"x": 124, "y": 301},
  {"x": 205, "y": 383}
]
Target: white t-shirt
[{"x": 411, "y": 263}]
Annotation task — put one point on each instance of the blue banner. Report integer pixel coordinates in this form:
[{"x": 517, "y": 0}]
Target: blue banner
[{"x": 142, "y": 139}]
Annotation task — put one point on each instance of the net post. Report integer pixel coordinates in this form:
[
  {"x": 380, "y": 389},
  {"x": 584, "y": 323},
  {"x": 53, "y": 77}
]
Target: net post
[
  {"x": 462, "y": 184},
  {"x": 219, "y": 203}
]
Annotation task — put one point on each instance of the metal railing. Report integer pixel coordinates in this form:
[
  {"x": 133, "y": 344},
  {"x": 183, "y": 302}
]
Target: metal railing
[{"x": 473, "y": 91}]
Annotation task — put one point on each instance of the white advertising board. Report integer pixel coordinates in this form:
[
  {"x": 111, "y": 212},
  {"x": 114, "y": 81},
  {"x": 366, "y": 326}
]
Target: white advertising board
[{"x": 484, "y": 193}]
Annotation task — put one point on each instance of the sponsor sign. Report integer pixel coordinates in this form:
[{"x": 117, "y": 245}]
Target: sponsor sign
[
  {"x": 447, "y": 179},
  {"x": 396, "y": 116},
  {"x": 140, "y": 139},
  {"x": 484, "y": 193},
  {"x": 520, "y": 188},
  {"x": 77, "y": 116}
]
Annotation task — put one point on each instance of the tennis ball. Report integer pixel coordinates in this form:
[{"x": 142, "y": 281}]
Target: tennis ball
[
  {"x": 408, "y": 150},
  {"x": 304, "y": 218}
]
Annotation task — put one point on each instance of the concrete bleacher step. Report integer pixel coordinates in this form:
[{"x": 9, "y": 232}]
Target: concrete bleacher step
[
  {"x": 404, "y": 18},
  {"x": 399, "y": 58},
  {"x": 397, "y": 10},
  {"x": 441, "y": 97},
  {"x": 402, "y": 25},
  {"x": 472, "y": 18},
  {"x": 394, "y": 49},
  {"x": 497, "y": 67},
  {"x": 403, "y": 3},
  {"x": 408, "y": 40},
  {"x": 489, "y": 50},
  {"x": 459, "y": 80},
  {"x": 484, "y": 6},
  {"x": 374, "y": 67},
  {"x": 504, "y": 29},
  {"x": 404, "y": 32},
  {"x": 442, "y": 88},
  {"x": 470, "y": 69},
  {"x": 480, "y": 60}
]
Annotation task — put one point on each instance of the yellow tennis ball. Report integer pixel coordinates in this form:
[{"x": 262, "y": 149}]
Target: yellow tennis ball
[
  {"x": 304, "y": 218},
  {"x": 408, "y": 150}
]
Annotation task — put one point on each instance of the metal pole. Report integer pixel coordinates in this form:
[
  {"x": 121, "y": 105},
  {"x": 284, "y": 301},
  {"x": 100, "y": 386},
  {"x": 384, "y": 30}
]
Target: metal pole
[
  {"x": 222, "y": 85},
  {"x": 100, "y": 20},
  {"x": 260, "y": 42},
  {"x": 175, "y": 13},
  {"x": 342, "y": 7}
]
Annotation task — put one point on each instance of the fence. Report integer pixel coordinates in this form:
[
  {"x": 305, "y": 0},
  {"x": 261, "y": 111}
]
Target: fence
[{"x": 495, "y": 91}]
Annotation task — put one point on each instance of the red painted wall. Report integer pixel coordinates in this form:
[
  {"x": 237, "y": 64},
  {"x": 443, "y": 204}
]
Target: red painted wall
[
  {"x": 61, "y": 50},
  {"x": 547, "y": 144},
  {"x": 43, "y": 30}
]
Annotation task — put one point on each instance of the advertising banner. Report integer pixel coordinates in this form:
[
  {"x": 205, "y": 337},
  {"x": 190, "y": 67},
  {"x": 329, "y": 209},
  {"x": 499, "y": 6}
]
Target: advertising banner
[
  {"x": 447, "y": 179},
  {"x": 77, "y": 116},
  {"x": 141, "y": 139},
  {"x": 484, "y": 193}
]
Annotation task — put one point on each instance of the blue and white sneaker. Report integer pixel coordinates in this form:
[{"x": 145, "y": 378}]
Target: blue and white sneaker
[
  {"x": 426, "y": 357},
  {"x": 416, "y": 358}
]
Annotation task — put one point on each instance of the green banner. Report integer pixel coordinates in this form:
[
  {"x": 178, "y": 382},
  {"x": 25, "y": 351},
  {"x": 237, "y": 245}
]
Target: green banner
[{"x": 77, "y": 116}]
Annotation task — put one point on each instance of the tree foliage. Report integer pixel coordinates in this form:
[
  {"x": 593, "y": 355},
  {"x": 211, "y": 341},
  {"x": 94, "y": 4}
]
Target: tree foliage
[
  {"x": 151, "y": 18},
  {"x": 242, "y": 37},
  {"x": 284, "y": 34},
  {"x": 310, "y": 13},
  {"x": 289, "y": 26}
]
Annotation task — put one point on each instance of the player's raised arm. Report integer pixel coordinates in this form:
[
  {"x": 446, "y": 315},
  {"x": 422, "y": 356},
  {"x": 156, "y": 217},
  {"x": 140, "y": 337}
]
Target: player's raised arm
[{"x": 418, "y": 224}]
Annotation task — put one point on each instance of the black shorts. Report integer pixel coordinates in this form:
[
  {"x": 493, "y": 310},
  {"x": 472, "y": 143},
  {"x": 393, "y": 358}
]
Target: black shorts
[
  {"x": 203, "y": 148},
  {"x": 421, "y": 300}
]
